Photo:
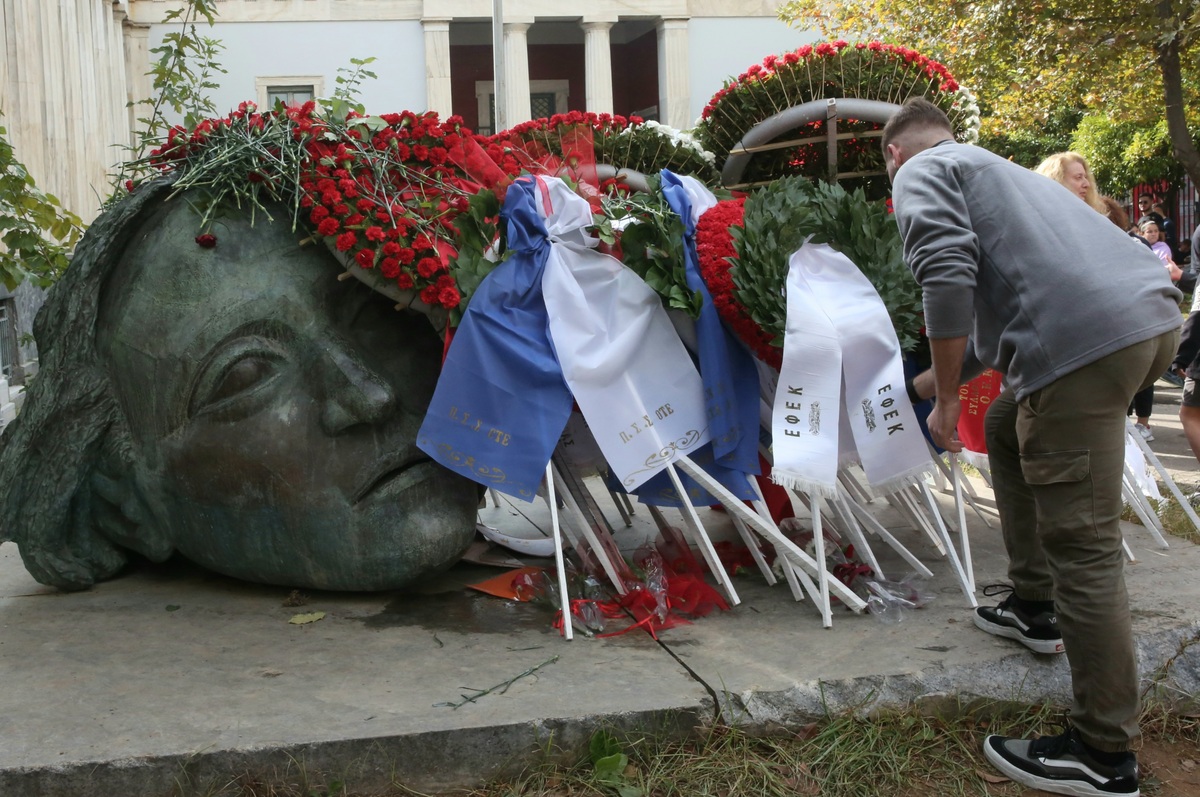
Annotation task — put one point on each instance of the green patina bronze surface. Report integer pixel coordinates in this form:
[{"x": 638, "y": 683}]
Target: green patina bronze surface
[{"x": 235, "y": 403}]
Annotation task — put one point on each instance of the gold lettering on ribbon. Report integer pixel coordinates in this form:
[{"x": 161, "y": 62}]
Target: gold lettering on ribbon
[
  {"x": 476, "y": 425},
  {"x": 478, "y": 470},
  {"x": 667, "y": 453},
  {"x": 641, "y": 425}
]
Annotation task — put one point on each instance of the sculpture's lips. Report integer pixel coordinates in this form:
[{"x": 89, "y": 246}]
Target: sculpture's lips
[{"x": 393, "y": 471}]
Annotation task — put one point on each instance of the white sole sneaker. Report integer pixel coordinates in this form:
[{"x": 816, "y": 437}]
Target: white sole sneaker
[{"x": 1048, "y": 647}]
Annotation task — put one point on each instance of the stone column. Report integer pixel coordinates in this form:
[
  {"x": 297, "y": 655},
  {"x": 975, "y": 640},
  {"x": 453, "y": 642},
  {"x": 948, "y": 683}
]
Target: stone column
[
  {"x": 137, "y": 65},
  {"x": 438, "y": 95},
  {"x": 118, "y": 121},
  {"x": 24, "y": 114},
  {"x": 7, "y": 21},
  {"x": 674, "y": 92},
  {"x": 597, "y": 55},
  {"x": 516, "y": 72},
  {"x": 91, "y": 71}
]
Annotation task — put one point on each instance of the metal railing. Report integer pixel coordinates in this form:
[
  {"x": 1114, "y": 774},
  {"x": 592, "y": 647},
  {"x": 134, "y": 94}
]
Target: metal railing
[{"x": 8, "y": 339}]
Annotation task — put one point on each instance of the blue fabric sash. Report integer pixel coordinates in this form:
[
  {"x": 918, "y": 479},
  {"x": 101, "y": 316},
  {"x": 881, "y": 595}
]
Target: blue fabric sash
[
  {"x": 726, "y": 368},
  {"x": 501, "y": 402}
]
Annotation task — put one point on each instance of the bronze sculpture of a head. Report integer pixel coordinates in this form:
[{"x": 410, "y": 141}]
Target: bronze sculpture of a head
[{"x": 229, "y": 399}]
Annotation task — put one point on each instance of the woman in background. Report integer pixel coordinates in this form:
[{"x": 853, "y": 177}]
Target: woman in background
[{"x": 1071, "y": 170}]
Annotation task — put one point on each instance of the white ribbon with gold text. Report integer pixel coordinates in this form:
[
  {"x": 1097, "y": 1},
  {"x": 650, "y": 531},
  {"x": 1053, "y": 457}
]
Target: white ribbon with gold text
[{"x": 630, "y": 374}]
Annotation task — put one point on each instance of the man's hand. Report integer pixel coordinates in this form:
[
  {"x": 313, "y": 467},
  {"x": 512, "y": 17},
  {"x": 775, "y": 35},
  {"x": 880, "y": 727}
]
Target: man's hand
[{"x": 943, "y": 425}]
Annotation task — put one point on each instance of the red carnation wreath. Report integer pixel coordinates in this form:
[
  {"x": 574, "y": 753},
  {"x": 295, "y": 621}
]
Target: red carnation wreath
[{"x": 716, "y": 252}]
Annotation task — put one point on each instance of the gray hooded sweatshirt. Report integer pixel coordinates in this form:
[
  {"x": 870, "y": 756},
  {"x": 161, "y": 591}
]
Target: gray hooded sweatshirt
[{"x": 1041, "y": 282}]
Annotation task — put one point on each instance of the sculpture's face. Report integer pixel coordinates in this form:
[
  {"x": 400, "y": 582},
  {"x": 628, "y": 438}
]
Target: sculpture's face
[{"x": 274, "y": 410}]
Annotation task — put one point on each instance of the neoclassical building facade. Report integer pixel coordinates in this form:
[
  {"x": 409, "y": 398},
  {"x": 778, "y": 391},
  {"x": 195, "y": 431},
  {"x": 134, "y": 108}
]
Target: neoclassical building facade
[{"x": 74, "y": 71}]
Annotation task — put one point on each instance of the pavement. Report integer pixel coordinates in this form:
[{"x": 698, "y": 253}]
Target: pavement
[{"x": 174, "y": 681}]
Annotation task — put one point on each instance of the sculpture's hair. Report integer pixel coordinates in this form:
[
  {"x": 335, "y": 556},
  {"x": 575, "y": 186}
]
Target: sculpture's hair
[
  {"x": 917, "y": 114},
  {"x": 71, "y": 419},
  {"x": 1055, "y": 167}
]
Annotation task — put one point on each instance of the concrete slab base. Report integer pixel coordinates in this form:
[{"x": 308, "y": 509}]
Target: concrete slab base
[{"x": 174, "y": 680}]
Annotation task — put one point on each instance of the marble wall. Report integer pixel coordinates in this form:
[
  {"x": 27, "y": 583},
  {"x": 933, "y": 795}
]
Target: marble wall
[{"x": 63, "y": 93}]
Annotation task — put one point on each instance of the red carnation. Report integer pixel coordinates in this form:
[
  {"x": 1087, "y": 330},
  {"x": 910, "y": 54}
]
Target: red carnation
[
  {"x": 328, "y": 227},
  {"x": 428, "y": 266},
  {"x": 346, "y": 240},
  {"x": 207, "y": 240},
  {"x": 449, "y": 298},
  {"x": 404, "y": 281},
  {"x": 389, "y": 267},
  {"x": 375, "y": 234}
]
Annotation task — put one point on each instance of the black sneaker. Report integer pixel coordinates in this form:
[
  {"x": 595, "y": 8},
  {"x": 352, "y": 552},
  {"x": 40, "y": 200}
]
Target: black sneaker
[
  {"x": 1063, "y": 765},
  {"x": 1038, "y": 632}
]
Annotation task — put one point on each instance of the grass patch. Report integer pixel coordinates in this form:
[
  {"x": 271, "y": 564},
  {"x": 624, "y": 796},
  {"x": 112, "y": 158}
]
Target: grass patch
[
  {"x": 909, "y": 753},
  {"x": 897, "y": 753}
]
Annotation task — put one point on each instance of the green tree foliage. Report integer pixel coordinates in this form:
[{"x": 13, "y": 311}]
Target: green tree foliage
[
  {"x": 36, "y": 232},
  {"x": 1134, "y": 62},
  {"x": 1029, "y": 146},
  {"x": 182, "y": 75}
]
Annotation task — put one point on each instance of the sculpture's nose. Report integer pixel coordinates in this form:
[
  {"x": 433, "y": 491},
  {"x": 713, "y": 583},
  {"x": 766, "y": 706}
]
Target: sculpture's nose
[{"x": 354, "y": 392}]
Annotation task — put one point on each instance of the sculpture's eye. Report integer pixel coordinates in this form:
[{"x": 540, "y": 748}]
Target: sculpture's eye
[
  {"x": 233, "y": 377},
  {"x": 242, "y": 376}
]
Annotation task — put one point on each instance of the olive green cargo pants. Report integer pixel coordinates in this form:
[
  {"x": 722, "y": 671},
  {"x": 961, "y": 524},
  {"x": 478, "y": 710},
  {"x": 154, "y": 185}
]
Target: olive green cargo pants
[{"x": 1057, "y": 458}]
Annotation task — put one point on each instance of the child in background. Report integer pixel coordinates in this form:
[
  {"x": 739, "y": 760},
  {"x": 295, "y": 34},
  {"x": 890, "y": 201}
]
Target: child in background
[{"x": 1152, "y": 231}]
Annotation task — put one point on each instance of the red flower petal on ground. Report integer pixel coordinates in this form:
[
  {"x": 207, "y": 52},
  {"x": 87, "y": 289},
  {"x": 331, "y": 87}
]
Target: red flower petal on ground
[{"x": 207, "y": 240}]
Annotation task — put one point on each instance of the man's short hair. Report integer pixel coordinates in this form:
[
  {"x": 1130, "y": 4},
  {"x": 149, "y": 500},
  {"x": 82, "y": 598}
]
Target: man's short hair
[{"x": 917, "y": 113}]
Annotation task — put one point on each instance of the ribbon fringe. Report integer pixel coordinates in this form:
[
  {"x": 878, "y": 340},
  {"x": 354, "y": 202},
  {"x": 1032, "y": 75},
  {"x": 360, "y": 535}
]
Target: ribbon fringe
[
  {"x": 913, "y": 476},
  {"x": 794, "y": 481}
]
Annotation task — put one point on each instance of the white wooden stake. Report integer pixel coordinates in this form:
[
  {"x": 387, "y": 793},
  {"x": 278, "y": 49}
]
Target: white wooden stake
[
  {"x": 956, "y": 478},
  {"x": 559, "y": 563}
]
